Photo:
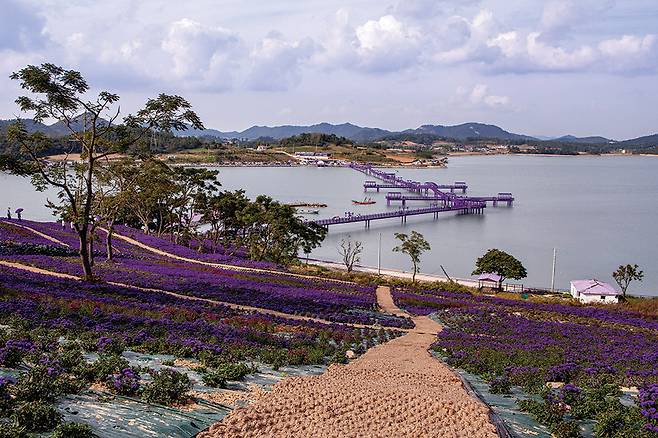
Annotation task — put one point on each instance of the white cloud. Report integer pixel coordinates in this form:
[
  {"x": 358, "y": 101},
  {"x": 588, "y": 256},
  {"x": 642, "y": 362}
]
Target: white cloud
[
  {"x": 631, "y": 53},
  {"x": 276, "y": 63},
  {"x": 386, "y": 44},
  {"x": 376, "y": 46},
  {"x": 471, "y": 45},
  {"x": 479, "y": 96},
  {"x": 199, "y": 52}
]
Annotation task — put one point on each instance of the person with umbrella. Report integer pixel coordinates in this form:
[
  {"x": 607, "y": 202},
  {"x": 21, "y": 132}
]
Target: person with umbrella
[{"x": 19, "y": 212}]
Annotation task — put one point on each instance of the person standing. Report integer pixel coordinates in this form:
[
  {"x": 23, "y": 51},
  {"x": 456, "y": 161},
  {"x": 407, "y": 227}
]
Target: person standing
[
  {"x": 8, "y": 212},
  {"x": 19, "y": 213}
]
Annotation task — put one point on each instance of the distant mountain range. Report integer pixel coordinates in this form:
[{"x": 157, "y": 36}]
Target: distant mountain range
[
  {"x": 58, "y": 129},
  {"x": 364, "y": 134}
]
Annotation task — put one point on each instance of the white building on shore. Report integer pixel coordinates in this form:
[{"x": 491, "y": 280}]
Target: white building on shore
[{"x": 594, "y": 291}]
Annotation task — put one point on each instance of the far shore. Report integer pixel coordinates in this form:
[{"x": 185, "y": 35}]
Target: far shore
[{"x": 433, "y": 277}]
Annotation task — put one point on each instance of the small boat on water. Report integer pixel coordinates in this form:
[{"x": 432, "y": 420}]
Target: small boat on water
[
  {"x": 307, "y": 204},
  {"x": 308, "y": 211},
  {"x": 366, "y": 201}
]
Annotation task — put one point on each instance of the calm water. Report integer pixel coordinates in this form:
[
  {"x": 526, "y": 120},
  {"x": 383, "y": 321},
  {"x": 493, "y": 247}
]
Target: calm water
[{"x": 598, "y": 212}]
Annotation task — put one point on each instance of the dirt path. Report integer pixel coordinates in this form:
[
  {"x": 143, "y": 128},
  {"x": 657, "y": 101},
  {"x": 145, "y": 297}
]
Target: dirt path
[
  {"x": 394, "y": 390},
  {"x": 222, "y": 265},
  {"x": 38, "y": 233}
]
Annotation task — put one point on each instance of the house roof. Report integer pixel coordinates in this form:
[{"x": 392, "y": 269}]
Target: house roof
[
  {"x": 594, "y": 287},
  {"x": 489, "y": 276}
]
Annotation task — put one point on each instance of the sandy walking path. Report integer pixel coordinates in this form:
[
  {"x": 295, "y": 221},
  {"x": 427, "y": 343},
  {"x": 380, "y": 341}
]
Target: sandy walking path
[
  {"x": 38, "y": 233},
  {"x": 394, "y": 390},
  {"x": 154, "y": 250}
]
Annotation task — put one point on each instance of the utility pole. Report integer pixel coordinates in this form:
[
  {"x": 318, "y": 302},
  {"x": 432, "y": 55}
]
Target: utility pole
[
  {"x": 379, "y": 256},
  {"x": 553, "y": 273}
]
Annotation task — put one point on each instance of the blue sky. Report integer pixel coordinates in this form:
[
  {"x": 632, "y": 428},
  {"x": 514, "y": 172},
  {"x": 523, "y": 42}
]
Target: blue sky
[{"x": 582, "y": 67}]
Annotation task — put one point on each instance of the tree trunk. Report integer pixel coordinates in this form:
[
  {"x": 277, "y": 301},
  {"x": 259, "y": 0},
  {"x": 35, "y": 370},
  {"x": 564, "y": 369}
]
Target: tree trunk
[
  {"x": 108, "y": 241},
  {"x": 84, "y": 255},
  {"x": 413, "y": 276},
  {"x": 91, "y": 248}
]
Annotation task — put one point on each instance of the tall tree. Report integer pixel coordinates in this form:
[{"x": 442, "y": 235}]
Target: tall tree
[
  {"x": 501, "y": 263},
  {"x": 350, "y": 251},
  {"x": 414, "y": 246},
  {"x": 272, "y": 231},
  {"x": 61, "y": 95},
  {"x": 625, "y": 274}
]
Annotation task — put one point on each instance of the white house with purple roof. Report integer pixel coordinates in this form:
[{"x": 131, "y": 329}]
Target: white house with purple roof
[{"x": 594, "y": 291}]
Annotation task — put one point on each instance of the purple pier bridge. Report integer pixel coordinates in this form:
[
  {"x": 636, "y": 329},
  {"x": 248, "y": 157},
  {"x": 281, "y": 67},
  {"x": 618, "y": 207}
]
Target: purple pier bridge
[
  {"x": 413, "y": 186},
  {"x": 461, "y": 207},
  {"x": 391, "y": 197},
  {"x": 440, "y": 200},
  {"x": 427, "y": 191}
]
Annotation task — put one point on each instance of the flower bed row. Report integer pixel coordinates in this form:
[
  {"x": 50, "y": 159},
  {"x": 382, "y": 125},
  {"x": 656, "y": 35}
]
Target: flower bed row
[{"x": 281, "y": 293}]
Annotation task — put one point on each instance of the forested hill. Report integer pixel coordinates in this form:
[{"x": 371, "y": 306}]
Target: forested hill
[{"x": 466, "y": 133}]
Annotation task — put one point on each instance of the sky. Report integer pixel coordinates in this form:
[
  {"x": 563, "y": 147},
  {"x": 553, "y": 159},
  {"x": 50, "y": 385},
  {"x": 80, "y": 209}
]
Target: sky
[{"x": 548, "y": 68}]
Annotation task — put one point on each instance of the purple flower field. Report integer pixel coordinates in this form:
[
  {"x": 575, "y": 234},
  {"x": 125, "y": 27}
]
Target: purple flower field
[
  {"x": 530, "y": 344},
  {"x": 132, "y": 265}
]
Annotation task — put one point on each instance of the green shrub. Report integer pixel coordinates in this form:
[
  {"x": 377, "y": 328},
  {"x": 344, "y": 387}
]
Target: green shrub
[
  {"x": 544, "y": 412},
  {"x": 71, "y": 355},
  {"x": 218, "y": 377},
  {"x": 5, "y": 397},
  {"x": 500, "y": 385},
  {"x": 36, "y": 416},
  {"x": 595, "y": 400},
  {"x": 106, "y": 365},
  {"x": 112, "y": 346},
  {"x": 277, "y": 358},
  {"x": 566, "y": 429},
  {"x": 73, "y": 430},
  {"x": 338, "y": 357},
  {"x": 618, "y": 421},
  {"x": 38, "y": 384},
  {"x": 11, "y": 430},
  {"x": 168, "y": 387}
]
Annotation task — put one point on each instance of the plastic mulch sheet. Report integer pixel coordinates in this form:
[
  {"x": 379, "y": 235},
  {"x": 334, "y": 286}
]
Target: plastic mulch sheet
[
  {"x": 508, "y": 418},
  {"x": 113, "y": 416},
  {"x": 121, "y": 417}
]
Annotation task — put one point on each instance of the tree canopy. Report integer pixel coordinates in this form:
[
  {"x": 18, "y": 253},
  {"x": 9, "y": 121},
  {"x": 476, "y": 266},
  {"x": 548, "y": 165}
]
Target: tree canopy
[
  {"x": 414, "y": 246},
  {"x": 625, "y": 274},
  {"x": 93, "y": 128},
  {"x": 501, "y": 263}
]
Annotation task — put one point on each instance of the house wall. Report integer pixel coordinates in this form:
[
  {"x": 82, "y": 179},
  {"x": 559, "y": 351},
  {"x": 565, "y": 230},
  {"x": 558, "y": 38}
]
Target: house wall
[
  {"x": 608, "y": 299},
  {"x": 574, "y": 291}
]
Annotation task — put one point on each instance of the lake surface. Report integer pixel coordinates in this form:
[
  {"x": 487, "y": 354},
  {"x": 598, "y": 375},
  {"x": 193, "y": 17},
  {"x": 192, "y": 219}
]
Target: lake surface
[{"x": 599, "y": 212}]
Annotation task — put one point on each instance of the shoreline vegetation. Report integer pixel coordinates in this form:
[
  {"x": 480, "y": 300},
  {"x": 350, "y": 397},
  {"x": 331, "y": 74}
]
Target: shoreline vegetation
[{"x": 177, "y": 161}]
